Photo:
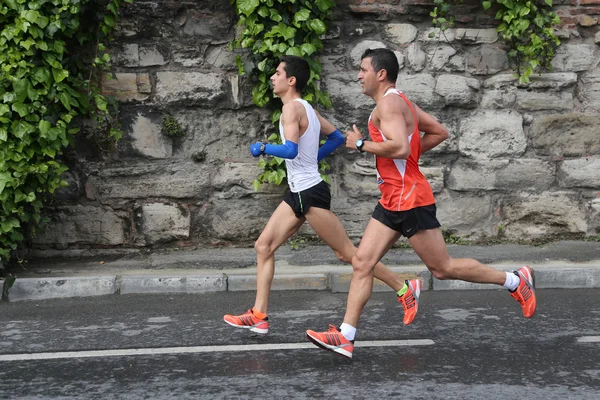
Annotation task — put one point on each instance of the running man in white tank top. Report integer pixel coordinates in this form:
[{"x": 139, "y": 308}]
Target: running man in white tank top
[{"x": 308, "y": 197}]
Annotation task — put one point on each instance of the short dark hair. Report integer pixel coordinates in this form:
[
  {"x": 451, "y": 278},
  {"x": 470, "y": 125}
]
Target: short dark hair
[
  {"x": 297, "y": 67},
  {"x": 383, "y": 59}
]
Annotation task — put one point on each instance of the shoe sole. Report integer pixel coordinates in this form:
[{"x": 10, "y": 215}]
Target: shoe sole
[
  {"x": 251, "y": 328},
  {"x": 325, "y": 346}
]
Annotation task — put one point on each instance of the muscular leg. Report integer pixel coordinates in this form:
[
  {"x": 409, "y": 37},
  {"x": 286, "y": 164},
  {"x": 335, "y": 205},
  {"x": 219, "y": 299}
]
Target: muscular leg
[
  {"x": 431, "y": 248},
  {"x": 329, "y": 228},
  {"x": 282, "y": 224},
  {"x": 376, "y": 241}
]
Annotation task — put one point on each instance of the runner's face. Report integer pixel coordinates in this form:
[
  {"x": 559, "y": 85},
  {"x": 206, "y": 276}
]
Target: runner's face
[
  {"x": 279, "y": 80},
  {"x": 367, "y": 76}
]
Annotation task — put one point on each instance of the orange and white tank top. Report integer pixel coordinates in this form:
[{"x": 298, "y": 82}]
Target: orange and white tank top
[{"x": 402, "y": 185}]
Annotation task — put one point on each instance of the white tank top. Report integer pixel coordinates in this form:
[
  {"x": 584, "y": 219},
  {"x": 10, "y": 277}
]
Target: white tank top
[{"x": 303, "y": 171}]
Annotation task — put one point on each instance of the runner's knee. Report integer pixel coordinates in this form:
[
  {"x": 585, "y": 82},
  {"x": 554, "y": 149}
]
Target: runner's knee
[
  {"x": 264, "y": 247},
  {"x": 441, "y": 271},
  {"x": 362, "y": 265}
]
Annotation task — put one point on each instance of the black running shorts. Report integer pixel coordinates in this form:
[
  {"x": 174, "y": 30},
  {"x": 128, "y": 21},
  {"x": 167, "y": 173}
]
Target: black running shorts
[
  {"x": 407, "y": 222},
  {"x": 316, "y": 196}
]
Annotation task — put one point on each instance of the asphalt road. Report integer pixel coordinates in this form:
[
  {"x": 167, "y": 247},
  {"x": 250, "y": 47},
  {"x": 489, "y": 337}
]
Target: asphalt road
[{"x": 479, "y": 347}]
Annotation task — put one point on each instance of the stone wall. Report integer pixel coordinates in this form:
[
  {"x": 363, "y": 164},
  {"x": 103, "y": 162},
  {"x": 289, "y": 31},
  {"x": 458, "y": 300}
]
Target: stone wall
[{"x": 522, "y": 160}]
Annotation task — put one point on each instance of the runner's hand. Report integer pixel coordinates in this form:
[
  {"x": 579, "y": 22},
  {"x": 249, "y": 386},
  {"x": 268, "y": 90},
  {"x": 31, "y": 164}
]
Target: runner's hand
[{"x": 352, "y": 136}]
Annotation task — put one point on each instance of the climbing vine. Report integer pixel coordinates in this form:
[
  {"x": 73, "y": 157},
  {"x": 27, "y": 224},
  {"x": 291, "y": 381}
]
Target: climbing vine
[
  {"x": 527, "y": 26},
  {"x": 52, "y": 58},
  {"x": 271, "y": 29}
]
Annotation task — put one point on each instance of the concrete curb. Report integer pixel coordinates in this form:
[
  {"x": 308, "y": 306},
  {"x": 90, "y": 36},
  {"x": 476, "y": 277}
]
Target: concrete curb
[{"x": 336, "y": 280}]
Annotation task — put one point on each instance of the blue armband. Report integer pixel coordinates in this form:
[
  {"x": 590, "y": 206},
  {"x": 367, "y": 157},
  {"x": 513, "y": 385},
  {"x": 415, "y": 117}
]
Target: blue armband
[
  {"x": 288, "y": 150},
  {"x": 334, "y": 140}
]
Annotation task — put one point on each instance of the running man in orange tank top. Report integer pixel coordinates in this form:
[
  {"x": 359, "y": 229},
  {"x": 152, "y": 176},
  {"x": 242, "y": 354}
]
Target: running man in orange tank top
[{"x": 407, "y": 206}]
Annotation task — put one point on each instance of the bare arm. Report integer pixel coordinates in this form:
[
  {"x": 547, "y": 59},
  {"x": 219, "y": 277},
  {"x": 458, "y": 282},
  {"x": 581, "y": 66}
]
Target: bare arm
[
  {"x": 290, "y": 119},
  {"x": 326, "y": 126},
  {"x": 435, "y": 133},
  {"x": 393, "y": 126}
]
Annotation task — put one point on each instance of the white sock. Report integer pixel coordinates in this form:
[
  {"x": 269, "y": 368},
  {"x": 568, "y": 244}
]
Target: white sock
[
  {"x": 348, "y": 331},
  {"x": 512, "y": 281}
]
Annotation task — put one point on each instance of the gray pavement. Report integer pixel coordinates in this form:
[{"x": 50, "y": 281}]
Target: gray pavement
[{"x": 563, "y": 264}]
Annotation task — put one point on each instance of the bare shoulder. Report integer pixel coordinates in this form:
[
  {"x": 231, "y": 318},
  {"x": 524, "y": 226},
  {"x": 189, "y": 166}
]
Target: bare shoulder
[{"x": 391, "y": 105}]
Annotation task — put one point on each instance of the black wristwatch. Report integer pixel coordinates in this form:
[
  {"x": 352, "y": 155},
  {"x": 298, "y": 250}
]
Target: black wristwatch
[
  {"x": 359, "y": 144},
  {"x": 262, "y": 148}
]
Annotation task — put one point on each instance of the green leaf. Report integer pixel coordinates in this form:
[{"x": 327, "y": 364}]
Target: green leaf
[
  {"x": 247, "y": 7},
  {"x": 324, "y": 5},
  {"x": 302, "y": 15},
  {"x": 44, "y": 127},
  {"x": 31, "y": 16},
  {"x": 308, "y": 48},
  {"x": 317, "y": 26},
  {"x": 21, "y": 109},
  {"x": 41, "y": 75},
  {"x": 486, "y": 4},
  {"x": 549, "y": 2},
  {"x": 100, "y": 102},
  {"x": 65, "y": 99},
  {"x": 4, "y": 109},
  {"x": 59, "y": 74},
  {"x": 4, "y": 179},
  {"x": 20, "y": 87}
]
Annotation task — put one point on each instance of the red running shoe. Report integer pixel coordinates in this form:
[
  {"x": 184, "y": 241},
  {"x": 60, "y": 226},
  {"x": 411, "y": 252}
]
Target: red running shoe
[
  {"x": 332, "y": 340},
  {"x": 410, "y": 300},
  {"x": 248, "y": 321},
  {"x": 525, "y": 292}
]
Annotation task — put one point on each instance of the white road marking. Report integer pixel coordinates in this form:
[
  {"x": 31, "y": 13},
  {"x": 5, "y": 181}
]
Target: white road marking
[
  {"x": 200, "y": 349},
  {"x": 588, "y": 339}
]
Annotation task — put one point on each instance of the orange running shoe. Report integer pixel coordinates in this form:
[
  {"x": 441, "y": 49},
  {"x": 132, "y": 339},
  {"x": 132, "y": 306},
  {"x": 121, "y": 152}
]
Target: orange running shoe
[
  {"x": 332, "y": 340},
  {"x": 410, "y": 300},
  {"x": 248, "y": 321},
  {"x": 525, "y": 292}
]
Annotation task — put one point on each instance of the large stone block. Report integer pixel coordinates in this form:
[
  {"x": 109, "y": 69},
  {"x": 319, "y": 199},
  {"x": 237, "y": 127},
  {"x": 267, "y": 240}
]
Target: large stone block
[
  {"x": 190, "y": 87},
  {"x": 580, "y": 173},
  {"x": 360, "y": 177},
  {"x": 539, "y": 101},
  {"x": 221, "y": 136},
  {"x": 575, "y": 58},
  {"x": 419, "y": 88},
  {"x": 589, "y": 89},
  {"x": 438, "y": 57},
  {"x": 537, "y": 215},
  {"x": 127, "y": 87},
  {"x": 71, "y": 225},
  {"x": 508, "y": 175},
  {"x": 168, "y": 179},
  {"x": 163, "y": 222},
  {"x": 465, "y": 215},
  {"x": 458, "y": 90},
  {"x": 569, "y": 135},
  {"x": 239, "y": 220},
  {"x": 486, "y": 60},
  {"x": 417, "y": 59},
  {"x": 346, "y": 92},
  {"x": 147, "y": 138},
  {"x": 550, "y": 80},
  {"x": 400, "y": 34},
  {"x": 435, "y": 176},
  {"x": 492, "y": 134},
  {"x": 499, "y": 98}
]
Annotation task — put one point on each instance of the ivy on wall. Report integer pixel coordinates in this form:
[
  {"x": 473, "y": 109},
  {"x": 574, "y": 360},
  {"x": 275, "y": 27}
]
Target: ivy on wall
[
  {"x": 526, "y": 26},
  {"x": 52, "y": 54},
  {"x": 271, "y": 29}
]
